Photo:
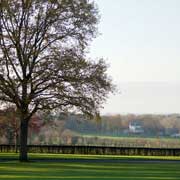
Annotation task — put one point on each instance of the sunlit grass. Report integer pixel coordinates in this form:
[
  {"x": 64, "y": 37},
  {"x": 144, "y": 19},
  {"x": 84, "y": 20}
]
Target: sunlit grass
[
  {"x": 80, "y": 156},
  {"x": 88, "y": 170}
]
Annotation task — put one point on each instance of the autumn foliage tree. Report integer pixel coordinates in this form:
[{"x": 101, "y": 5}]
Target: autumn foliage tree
[
  {"x": 9, "y": 125},
  {"x": 42, "y": 59}
]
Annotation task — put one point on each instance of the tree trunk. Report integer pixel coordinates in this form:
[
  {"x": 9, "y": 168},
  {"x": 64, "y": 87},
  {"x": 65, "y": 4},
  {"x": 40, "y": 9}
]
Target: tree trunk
[
  {"x": 16, "y": 142},
  {"x": 23, "y": 157}
]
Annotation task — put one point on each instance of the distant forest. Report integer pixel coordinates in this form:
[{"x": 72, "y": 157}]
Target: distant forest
[{"x": 59, "y": 128}]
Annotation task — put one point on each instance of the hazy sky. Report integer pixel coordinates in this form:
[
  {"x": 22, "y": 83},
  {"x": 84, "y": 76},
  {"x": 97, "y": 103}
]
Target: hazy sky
[{"x": 141, "y": 41}]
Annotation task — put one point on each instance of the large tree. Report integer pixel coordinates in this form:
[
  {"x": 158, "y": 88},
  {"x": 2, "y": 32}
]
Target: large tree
[{"x": 43, "y": 63}]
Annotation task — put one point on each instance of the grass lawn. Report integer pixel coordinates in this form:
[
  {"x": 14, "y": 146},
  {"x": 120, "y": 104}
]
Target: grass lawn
[{"x": 14, "y": 170}]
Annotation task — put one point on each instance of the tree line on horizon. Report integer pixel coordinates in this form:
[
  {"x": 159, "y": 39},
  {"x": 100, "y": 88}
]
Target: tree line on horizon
[{"x": 60, "y": 128}]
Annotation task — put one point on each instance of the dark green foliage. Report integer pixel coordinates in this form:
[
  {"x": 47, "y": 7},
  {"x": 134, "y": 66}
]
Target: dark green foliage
[{"x": 96, "y": 150}]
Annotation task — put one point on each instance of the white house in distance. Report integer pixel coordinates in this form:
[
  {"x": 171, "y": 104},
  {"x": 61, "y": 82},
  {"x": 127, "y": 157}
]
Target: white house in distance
[{"x": 136, "y": 127}]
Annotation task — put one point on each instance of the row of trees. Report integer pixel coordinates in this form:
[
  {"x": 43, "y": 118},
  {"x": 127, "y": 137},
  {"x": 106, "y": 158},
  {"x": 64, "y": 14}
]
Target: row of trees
[
  {"x": 58, "y": 128},
  {"x": 117, "y": 125}
]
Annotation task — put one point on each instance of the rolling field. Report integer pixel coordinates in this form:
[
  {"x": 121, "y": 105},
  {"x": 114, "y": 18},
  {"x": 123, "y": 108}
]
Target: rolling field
[
  {"x": 155, "y": 142},
  {"x": 79, "y": 167}
]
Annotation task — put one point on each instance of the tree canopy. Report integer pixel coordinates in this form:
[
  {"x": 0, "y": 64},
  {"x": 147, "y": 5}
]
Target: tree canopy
[{"x": 42, "y": 59}]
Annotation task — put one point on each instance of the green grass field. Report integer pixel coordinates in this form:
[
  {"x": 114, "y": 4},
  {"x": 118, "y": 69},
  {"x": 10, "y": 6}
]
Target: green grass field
[
  {"x": 90, "y": 170},
  {"x": 161, "y": 142}
]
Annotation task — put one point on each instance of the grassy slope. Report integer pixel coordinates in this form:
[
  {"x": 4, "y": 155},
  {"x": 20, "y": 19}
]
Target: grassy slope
[{"x": 13, "y": 170}]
